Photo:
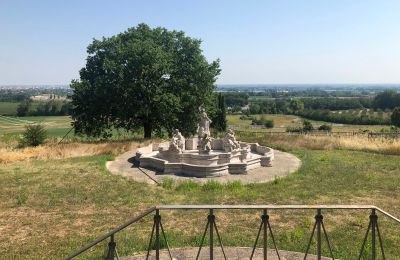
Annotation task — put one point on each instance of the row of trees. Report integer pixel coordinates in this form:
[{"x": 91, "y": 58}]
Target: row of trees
[
  {"x": 343, "y": 118},
  {"x": 44, "y": 108}
]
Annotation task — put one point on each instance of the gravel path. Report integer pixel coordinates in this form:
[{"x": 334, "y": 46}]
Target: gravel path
[{"x": 284, "y": 164}]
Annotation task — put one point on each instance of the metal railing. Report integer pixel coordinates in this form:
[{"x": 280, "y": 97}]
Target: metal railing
[{"x": 265, "y": 226}]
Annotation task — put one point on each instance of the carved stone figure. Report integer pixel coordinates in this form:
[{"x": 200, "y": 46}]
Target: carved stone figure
[
  {"x": 205, "y": 144},
  {"x": 230, "y": 143},
  {"x": 205, "y": 122},
  {"x": 178, "y": 139}
]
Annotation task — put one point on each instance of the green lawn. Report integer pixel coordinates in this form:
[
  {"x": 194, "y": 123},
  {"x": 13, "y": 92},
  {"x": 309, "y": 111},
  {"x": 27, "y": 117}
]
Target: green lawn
[{"x": 51, "y": 208}]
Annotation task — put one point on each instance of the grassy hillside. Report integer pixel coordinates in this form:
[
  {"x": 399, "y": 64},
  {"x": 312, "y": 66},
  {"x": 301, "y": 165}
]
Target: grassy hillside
[
  {"x": 51, "y": 208},
  {"x": 283, "y": 121},
  {"x": 56, "y": 125}
]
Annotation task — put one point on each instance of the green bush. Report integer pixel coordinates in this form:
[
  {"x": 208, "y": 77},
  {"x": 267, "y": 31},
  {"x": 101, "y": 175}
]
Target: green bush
[
  {"x": 269, "y": 123},
  {"x": 396, "y": 117},
  {"x": 307, "y": 126},
  {"x": 325, "y": 127},
  {"x": 34, "y": 135},
  {"x": 296, "y": 129}
]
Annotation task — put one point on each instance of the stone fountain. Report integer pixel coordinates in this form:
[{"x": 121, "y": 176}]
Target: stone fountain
[{"x": 204, "y": 156}]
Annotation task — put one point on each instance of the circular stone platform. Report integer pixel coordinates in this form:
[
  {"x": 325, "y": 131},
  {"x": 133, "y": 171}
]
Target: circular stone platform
[
  {"x": 231, "y": 253},
  {"x": 284, "y": 164}
]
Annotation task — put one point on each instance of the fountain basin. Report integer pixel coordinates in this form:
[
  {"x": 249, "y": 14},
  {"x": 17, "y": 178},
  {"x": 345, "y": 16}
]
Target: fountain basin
[{"x": 217, "y": 162}]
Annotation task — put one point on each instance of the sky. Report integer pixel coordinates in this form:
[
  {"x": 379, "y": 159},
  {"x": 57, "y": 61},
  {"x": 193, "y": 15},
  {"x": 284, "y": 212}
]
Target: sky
[{"x": 281, "y": 41}]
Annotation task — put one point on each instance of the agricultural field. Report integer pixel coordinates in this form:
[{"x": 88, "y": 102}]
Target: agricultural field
[
  {"x": 56, "y": 125},
  {"x": 8, "y": 108},
  {"x": 281, "y": 122}
]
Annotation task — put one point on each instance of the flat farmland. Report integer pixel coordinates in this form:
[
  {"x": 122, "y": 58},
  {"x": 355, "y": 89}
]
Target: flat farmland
[
  {"x": 55, "y": 125},
  {"x": 281, "y": 122}
]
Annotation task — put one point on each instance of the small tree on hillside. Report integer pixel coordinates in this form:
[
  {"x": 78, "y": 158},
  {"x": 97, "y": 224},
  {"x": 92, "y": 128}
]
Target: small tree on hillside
[
  {"x": 33, "y": 135},
  {"x": 396, "y": 117}
]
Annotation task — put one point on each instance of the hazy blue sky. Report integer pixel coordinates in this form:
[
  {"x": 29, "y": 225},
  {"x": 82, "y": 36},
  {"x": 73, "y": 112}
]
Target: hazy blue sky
[{"x": 292, "y": 41}]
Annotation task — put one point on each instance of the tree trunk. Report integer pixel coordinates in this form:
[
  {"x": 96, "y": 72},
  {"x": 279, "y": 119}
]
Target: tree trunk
[{"x": 147, "y": 130}]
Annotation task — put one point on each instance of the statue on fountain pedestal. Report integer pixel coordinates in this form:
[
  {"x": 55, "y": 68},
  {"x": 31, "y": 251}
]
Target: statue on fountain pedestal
[
  {"x": 205, "y": 144},
  {"x": 177, "y": 143},
  {"x": 230, "y": 143},
  {"x": 204, "y": 125}
]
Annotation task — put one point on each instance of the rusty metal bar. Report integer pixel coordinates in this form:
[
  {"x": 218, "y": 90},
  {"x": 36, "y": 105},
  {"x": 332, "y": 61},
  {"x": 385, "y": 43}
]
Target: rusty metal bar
[
  {"x": 265, "y": 221},
  {"x": 112, "y": 232},
  {"x": 157, "y": 219},
  {"x": 318, "y": 219},
  {"x": 211, "y": 219},
  {"x": 373, "y": 236},
  {"x": 269, "y": 207}
]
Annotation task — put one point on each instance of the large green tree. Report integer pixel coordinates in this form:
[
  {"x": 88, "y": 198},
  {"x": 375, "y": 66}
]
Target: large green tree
[{"x": 143, "y": 77}]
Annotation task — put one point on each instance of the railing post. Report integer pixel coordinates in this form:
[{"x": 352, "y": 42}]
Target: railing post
[
  {"x": 374, "y": 219},
  {"x": 157, "y": 220},
  {"x": 211, "y": 219},
  {"x": 111, "y": 249},
  {"x": 319, "y": 218},
  {"x": 265, "y": 222}
]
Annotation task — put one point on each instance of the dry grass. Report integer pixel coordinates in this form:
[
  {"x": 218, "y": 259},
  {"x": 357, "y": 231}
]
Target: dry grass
[
  {"x": 62, "y": 151},
  {"x": 356, "y": 143}
]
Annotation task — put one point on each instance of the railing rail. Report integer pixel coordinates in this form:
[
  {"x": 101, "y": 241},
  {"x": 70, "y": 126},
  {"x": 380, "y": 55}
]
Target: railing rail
[{"x": 212, "y": 226}]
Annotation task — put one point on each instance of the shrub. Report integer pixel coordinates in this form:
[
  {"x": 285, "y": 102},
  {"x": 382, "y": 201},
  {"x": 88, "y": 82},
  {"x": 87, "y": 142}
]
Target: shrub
[
  {"x": 269, "y": 123},
  {"x": 34, "y": 135},
  {"x": 325, "y": 127},
  {"x": 396, "y": 117},
  {"x": 307, "y": 126},
  {"x": 296, "y": 129}
]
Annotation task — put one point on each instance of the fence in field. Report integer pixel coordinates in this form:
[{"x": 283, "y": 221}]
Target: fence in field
[
  {"x": 243, "y": 133},
  {"x": 265, "y": 231}
]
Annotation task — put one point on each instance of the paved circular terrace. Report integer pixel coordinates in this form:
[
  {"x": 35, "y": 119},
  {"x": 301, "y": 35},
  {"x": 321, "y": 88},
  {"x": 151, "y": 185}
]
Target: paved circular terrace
[
  {"x": 284, "y": 164},
  {"x": 231, "y": 253}
]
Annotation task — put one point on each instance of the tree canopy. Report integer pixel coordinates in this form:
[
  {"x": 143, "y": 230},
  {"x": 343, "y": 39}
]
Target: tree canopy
[
  {"x": 395, "y": 117},
  {"x": 143, "y": 77}
]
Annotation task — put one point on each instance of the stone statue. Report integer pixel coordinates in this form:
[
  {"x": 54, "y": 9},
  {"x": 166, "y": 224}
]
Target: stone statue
[
  {"x": 178, "y": 139},
  {"x": 204, "y": 125},
  {"x": 177, "y": 143},
  {"x": 205, "y": 144},
  {"x": 230, "y": 143}
]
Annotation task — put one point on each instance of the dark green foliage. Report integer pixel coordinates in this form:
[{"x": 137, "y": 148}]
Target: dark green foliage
[
  {"x": 269, "y": 123},
  {"x": 143, "y": 77},
  {"x": 343, "y": 118},
  {"x": 332, "y": 103},
  {"x": 387, "y": 99},
  {"x": 219, "y": 120},
  {"x": 34, "y": 135},
  {"x": 236, "y": 99},
  {"x": 294, "y": 129},
  {"x": 325, "y": 127},
  {"x": 23, "y": 107},
  {"x": 307, "y": 126},
  {"x": 396, "y": 117}
]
